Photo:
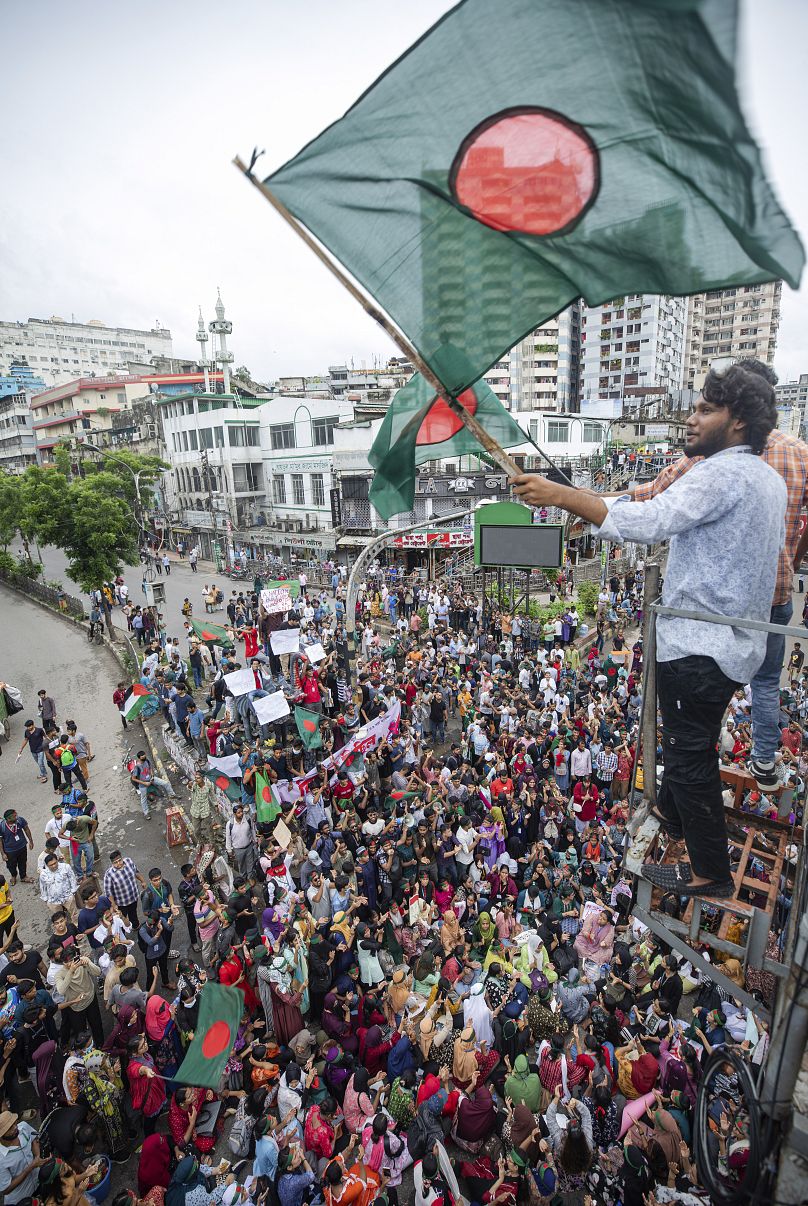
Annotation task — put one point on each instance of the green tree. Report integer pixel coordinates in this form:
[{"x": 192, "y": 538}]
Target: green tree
[
  {"x": 62, "y": 461},
  {"x": 10, "y": 507},
  {"x": 102, "y": 535}
]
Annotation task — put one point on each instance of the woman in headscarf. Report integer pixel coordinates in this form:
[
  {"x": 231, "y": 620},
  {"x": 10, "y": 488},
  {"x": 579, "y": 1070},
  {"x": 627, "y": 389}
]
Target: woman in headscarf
[
  {"x": 374, "y": 1049},
  {"x": 386, "y": 1153},
  {"x": 635, "y": 1177},
  {"x": 477, "y": 1015},
  {"x": 401, "y": 1056},
  {"x": 635, "y": 1076},
  {"x": 667, "y": 1135},
  {"x": 154, "y": 1166},
  {"x": 129, "y": 1023},
  {"x": 399, "y": 992},
  {"x": 523, "y": 1087},
  {"x": 492, "y": 836},
  {"x": 89, "y": 1073},
  {"x": 286, "y": 1016},
  {"x": 680, "y": 1112},
  {"x": 186, "y": 1015},
  {"x": 358, "y": 1106},
  {"x": 425, "y": 976},
  {"x": 486, "y": 932},
  {"x": 186, "y": 1105},
  {"x": 596, "y": 939},
  {"x": 233, "y": 973},
  {"x": 451, "y": 935},
  {"x": 341, "y": 938},
  {"x": 163, "y": 1037},
  {"x": 522, "y": 1131},
  {"x": 470, "y": 1056},
  {"x": 475, "y": 1119},
  {"x": 189, "y": 1187},
  {"x": 49, "y": 1064}
]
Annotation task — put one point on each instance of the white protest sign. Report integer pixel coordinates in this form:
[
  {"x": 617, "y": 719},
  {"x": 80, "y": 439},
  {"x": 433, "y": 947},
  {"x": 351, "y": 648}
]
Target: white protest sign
[
  {"x": 239, "y": 682},
  {"x": 276, "y": 600},
  {"x": 228, "y": 766},
  {"x": 285, "y": 640},
  {"x": 270, "y": 707},
  {"x": 315, "y": 653}
]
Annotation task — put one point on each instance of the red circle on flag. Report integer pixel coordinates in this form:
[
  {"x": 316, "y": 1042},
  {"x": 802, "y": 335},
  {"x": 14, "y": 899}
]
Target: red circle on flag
[
  {"x": 527, "y": 170},
  {"x": 223, "y": 782},
  {"x": 216, "y": 1040},
  {"x": 441, "y": 422},
  {"x": 266, "y": 794}
]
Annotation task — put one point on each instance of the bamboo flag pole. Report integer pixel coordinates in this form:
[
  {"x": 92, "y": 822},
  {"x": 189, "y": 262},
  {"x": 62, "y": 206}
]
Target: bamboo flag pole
[{"x": 494, "y": 450}]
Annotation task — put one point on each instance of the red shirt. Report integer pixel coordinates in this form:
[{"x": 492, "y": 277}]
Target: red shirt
[
  {"x": 311, "y": 689},
  {"x": 792, "y": 741},
  {"x": 250, "y": 636},
  {"x": 589, "y": 809}
]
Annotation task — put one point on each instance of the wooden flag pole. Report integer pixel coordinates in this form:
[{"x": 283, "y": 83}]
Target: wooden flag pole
[{"x": 494, "y": 450}]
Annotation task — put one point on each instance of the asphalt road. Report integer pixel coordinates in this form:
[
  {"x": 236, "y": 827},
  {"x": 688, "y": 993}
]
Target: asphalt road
[{"x": 41, "y": 650}]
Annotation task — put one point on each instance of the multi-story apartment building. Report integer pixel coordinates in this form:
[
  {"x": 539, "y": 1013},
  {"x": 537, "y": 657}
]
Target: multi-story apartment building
[
  {"x": 541, "y": 371},
  {"x": 738, "y": 322},
  {"x": 632, "y": 343},
  {"x": 90, "y": 404},
  {"x": 17, "y": 442},
  {"x": 60, "y": 351}
]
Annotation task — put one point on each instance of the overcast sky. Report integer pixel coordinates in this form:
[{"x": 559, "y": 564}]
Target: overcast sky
[{"x": 119, "y": 200}]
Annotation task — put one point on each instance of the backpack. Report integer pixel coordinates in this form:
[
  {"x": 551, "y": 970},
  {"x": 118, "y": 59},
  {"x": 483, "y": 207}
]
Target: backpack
[{"x": 67, "y": 755}]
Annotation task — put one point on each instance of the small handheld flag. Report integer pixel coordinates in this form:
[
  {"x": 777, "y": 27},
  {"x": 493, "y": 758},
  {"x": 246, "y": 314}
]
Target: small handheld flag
[
  {"x": 266, "y": 806},
  {"x": 308, "y": 726}
]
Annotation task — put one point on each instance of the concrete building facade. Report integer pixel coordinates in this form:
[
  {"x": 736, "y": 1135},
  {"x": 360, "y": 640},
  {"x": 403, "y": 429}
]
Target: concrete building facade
[
  {"x": 737, "y": 323},
  {"x": 60, "y": 351},
  {"x": 632, "y": 343}
]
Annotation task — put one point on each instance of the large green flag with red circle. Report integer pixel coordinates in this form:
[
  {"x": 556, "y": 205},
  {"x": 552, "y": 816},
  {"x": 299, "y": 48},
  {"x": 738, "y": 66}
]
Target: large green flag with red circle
[
  {"x": 419, "y": 426},
  {"x": 524, "y": 153},
  {"x": 211, "y": 634},
  {"x": 220, "y": 1012},
  {"x": 266, "y": 806}
]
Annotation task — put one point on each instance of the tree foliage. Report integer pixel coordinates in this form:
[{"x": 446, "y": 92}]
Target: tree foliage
[{"x": 92, "y": 518}]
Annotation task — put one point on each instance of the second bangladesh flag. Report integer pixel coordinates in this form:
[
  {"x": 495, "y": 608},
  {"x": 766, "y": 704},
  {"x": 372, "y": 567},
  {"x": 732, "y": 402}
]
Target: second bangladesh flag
[
  {"x": 220, "y": 1010},
  {"x": 418, "y": 427},
  {"x": 308, "y": 726},
  {"x": 266, "y": 806}
]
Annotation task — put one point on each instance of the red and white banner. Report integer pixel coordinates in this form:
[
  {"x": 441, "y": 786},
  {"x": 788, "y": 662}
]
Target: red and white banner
[{"x": 434, "y": 540}]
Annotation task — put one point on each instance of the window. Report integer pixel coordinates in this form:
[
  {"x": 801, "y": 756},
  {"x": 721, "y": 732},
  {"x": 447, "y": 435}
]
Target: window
[
  {"x": 298, "y": 493},
  {"x": 205, "y": 437},
  {"x": 218, "y": 437},
  {"x": 317, "y": 490},
  {"x": 193, "y": 441},
  {"x": 557, "y": 432},
  {"x": 278, "y": 489},
  {"x": 242, "y": 437},
  {"x": 283, "y": 435},
  {"x": 246, "y": 477},
  {"x": 184, "y": 438},
  {"x": 322, "y": 431},
  {"x": 593, "y": 433}
]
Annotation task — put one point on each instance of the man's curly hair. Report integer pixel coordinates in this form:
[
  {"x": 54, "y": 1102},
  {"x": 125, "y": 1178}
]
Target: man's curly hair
[{"x": 747, "y": 390}]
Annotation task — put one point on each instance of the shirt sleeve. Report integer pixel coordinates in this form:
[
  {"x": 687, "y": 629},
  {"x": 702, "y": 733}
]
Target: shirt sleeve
[
  {"x": 686, "y": 504},
  {"x": 669, "y": 475}
]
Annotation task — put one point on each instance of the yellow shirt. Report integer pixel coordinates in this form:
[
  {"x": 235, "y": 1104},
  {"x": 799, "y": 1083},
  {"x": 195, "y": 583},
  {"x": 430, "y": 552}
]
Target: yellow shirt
[{"x": 6, "y": 907}]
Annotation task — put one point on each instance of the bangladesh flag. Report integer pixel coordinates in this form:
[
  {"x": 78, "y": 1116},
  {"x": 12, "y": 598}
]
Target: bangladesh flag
[
  {"x": 419, "y": 426},
  {"x": 134, "y": 701},
  {"x": 308, "y": 726},
  {"x": 266, "y": 806},
  {"x": 525, "y": 153},
  {"x": 211, "y": 634},
  {"x": 220, "y": 1012},
  {"x": 230, "y": 787}
]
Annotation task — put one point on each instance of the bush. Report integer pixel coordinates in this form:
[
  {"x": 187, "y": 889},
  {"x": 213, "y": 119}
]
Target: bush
[
  {"x": 31, "y": 569},
  {"x": 588, "y": 597},
  {"x": 8, "y": 565}
]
